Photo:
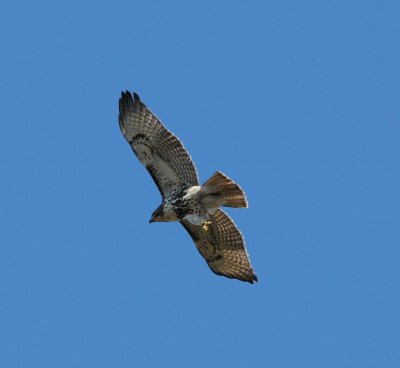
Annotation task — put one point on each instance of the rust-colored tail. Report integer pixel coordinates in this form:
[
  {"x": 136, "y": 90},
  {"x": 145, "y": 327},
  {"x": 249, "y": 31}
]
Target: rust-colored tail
[{"x": 232, "y": 195}]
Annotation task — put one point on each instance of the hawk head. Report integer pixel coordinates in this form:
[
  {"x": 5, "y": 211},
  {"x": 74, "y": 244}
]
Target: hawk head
[
  {"x": 158, "y": 214},
  {"x": 164, "y": 213}
]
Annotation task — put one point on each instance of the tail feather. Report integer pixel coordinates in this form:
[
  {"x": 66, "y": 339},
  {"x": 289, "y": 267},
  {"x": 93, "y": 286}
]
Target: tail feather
[{"x": 231, "y": 193}]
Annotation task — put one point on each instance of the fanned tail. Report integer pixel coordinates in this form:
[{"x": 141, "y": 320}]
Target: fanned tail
[{"x": 231, "y": 193}]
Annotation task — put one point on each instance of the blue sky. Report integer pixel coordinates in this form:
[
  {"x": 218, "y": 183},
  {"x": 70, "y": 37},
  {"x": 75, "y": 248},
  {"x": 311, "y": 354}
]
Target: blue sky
[{"x": 298, "y": 101}]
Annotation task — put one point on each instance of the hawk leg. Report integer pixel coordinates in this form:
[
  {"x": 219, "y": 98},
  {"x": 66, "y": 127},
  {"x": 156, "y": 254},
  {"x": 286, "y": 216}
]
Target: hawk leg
[{"x": 205, "y": 225}]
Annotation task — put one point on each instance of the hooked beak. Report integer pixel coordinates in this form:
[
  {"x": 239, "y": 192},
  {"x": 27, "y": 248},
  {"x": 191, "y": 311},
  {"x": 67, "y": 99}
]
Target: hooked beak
[{"x": 157, "y": 215}]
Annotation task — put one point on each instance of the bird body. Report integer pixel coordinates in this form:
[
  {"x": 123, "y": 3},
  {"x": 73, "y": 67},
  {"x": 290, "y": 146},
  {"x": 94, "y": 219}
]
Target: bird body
[
  {"x": 195, "y": 203},
  {"x": 182, "y": 204},
  {"x": 195, "y": 206}
]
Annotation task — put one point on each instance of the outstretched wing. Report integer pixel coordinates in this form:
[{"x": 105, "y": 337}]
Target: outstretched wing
[
  {"x": 222, "y": 246},
  {"x": 162, "y": 153}
]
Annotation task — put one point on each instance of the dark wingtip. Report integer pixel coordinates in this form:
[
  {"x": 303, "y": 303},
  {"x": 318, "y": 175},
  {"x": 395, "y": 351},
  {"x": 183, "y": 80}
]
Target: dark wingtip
[
  {"x": 129, "y": 99},
  {"x": 136, "y": 97},
  {"x": 126, "y": 93},
  {"x": 126, "y": 98},
  {"x": 252, "y": 279}
]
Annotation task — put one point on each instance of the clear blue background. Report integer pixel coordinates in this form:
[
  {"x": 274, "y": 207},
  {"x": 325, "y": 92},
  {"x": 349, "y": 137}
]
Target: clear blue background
[{"x": 298, "y": 101}]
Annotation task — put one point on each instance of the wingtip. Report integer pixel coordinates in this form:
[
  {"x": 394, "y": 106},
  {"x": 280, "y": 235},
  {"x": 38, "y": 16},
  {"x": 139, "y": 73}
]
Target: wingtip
[
  {"x": 127, "y": 94},
  {"x": 252, "y": 279},
  {"x": 128, "y": 99},
  {"x": 136, "y": 97}
]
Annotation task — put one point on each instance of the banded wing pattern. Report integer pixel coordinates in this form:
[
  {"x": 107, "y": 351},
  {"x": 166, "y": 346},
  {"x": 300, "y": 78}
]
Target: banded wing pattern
[
  {"x": 161, "y": 152},
  {"x": 223, "y": 247}
]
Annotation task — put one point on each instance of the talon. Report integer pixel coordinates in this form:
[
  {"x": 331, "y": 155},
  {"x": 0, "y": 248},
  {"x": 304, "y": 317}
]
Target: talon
[{"x": 206, "y": 224}]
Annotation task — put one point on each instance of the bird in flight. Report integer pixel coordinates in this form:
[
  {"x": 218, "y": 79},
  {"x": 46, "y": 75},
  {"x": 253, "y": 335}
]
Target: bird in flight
[{"x": 195, "y": 206}]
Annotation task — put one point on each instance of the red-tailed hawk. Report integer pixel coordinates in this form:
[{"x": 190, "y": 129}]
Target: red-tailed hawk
[{"x": 195, "y": 206}]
